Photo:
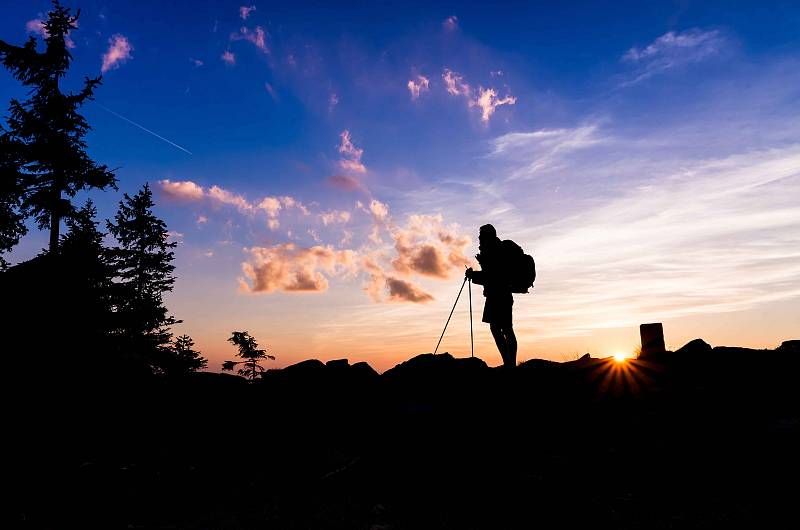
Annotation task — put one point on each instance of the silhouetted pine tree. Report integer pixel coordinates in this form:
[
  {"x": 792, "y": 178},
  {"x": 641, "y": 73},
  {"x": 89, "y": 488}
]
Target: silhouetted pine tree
[
  {"x": 143, "y": 262},
  {"x": 187, "y": 359},
  {"x": 248, "y": 350},
  {"x": 45, "y": 133},
  {"x": 11, "y": 221},
  {"x": 84, "y": 262}
]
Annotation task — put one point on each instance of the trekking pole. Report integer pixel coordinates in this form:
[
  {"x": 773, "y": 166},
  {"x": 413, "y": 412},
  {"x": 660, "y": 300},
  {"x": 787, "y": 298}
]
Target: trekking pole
[
  {"x": 471, "y": 341},
  {"x": 451, "y": 314}
]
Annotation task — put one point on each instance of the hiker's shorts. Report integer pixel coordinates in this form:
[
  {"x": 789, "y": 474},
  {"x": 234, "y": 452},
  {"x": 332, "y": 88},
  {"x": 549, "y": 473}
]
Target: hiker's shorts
[{"x": 497, "y": 309}]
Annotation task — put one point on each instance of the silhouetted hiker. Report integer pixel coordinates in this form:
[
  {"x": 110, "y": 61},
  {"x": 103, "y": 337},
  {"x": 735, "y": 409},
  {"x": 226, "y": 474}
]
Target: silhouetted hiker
[{"x": 495, "y": 278}]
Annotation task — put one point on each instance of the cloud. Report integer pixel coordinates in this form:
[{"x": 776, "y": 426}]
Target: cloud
[
  {"x": 119, "y": 51},
  {"x": 228, "y": 57},
  {"x": 426, "y": 246},
  {"x": 417, "y": 87},
  {"x": 454, "y": 83},
  {"x": 486, "y": 99},
  {"x": 196, "y": 62},
  {"x": 404, "y": 291},
  {"x": 648, "y": 230},
  {"x": 379, "y": 210},
  {"x": 244, "y": 11},
  {"x": 37, "y": 26},
  {"x": 287, "y": 267},
  {"x": 351, "y": 155},
  {"x": 219, "y": 197},
  {"x": 335, "y": 217},
  {"x": 346, "y": 183},
  {"x": 256, "y": 37},
  {"x": 182, "y": 190},
  {"x": 271, "y": 91},
  {"x": 333, "y": 100},
  {"x": 672, "y": 50},
  {"x": 543, "y": 150},
  {"x": 450, "y": 23}
]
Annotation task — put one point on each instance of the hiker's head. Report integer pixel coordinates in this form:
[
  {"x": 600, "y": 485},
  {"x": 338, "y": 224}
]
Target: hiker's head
[
  {"x": 487, "y": 232},
  {"x": 487, "y": 237}
]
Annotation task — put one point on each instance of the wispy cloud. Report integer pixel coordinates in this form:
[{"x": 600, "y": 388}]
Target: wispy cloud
[
  {"x": 672, "y": 50},
  {"x": 418, "y": 86},
  {"x": 486, "y": 99},
  {"x": 450, "y": 23},
  {"x": 351, "y": 155},
  {"x": 245, "y": 11},
  {"x": 118, "y": 52},
  {"x": 257, "y": 37},
  {"x": 701, "y": 236},
  {"x": 228, "y": 57}
]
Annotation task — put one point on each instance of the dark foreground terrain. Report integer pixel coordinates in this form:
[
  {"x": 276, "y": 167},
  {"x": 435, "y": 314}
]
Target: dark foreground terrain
[{"x": 698, "y": 438}]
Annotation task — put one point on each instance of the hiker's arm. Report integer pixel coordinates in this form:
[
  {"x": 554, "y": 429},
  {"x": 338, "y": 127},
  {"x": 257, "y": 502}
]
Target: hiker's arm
[{"x": 478, "y": 277}]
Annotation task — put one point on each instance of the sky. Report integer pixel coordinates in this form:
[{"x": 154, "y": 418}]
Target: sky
[{"x": 325, "y": 167}]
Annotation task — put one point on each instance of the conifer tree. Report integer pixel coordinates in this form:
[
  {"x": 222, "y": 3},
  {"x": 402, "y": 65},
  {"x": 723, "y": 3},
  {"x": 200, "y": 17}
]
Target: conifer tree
[
  {"x": 11, "y": 221},
  {"x": 84, "y": 262},
  {"x": 250, "y": 353},
  {"x": 45, "y": 133},
  {"x": 143, "y": 263},
  {"x": 187, "y": 359}
]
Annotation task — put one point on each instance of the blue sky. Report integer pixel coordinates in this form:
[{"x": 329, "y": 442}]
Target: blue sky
[{"x": 343, "y": 156}]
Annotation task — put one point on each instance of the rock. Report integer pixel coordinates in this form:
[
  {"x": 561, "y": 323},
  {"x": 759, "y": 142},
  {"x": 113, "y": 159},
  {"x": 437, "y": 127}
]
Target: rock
[
  {"x": 790, "y": 346},
  {"x": 694, "y": 347}
]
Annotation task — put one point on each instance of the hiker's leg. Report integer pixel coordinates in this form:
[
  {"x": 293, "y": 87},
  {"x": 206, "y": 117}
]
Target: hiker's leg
[
  {"x": 499, "y": 339},
  {"x": 511, "y": 345}
]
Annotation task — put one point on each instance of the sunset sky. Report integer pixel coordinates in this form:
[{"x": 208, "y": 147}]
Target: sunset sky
[{"x": 325, "y": 168}]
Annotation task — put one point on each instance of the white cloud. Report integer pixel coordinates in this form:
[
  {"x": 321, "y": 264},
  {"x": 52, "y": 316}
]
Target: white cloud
[
  {"x": 450, "y": 23},
  {"x": 672, "y": 50}
]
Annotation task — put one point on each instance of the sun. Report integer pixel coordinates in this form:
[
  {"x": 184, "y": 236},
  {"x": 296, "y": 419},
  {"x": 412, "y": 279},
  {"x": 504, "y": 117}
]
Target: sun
[{"x": 620, "y": 357}]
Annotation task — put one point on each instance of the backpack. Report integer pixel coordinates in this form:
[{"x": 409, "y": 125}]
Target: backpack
[{"x": 521, "y": 267}]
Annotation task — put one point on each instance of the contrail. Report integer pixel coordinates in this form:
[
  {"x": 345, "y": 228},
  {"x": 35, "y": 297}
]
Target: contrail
[{"x": 145, "y": 129}]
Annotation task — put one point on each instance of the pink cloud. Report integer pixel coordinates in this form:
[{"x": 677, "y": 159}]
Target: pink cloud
[
  {"x": 419, "y": 86},
  {"x": 450, "y": 23},
  {"x": 380, "y": 210},
  {"x": 346, "y": 183},
  {"x": 404, "y": 291},
  {"x": 244, "y": 11},
  {"x": 219, "y": 196},
  {"x": 119, "y": 51},
  {"x": 185, "y": 190},
  {"x": 454, "y": 83},
  {"x": 271, "y": 91},
  {"x": 333, "y": 100},
  {"x": 488, "y": 101},
  {"x": 37, "y": 26},
  {"x": 287, "y": 267},
  {"x": 228, "y": 57},
  {"x": 351, "y": 155},
  {"x": 428, "y": 247},
  {"x": 334, "y": 217},
  {"x": 256, "y": 37}
]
